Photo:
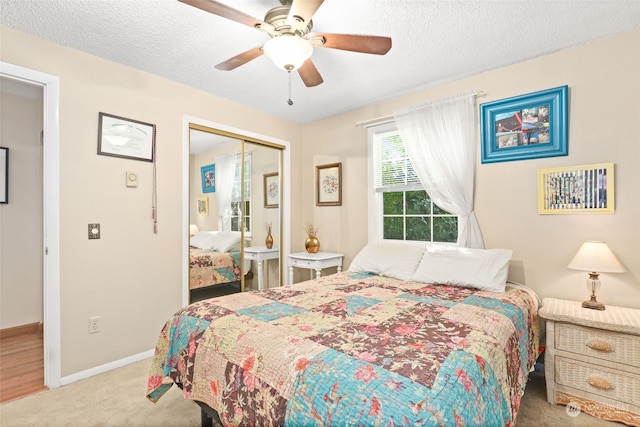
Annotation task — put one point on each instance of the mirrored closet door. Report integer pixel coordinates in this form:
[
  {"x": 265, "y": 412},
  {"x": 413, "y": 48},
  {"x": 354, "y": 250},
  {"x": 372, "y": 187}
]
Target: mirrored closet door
[{"x": 234, "y": 205}]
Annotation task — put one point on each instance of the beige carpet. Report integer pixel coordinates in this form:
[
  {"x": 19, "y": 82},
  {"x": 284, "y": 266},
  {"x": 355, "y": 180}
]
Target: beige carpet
[{"x": 117, "y": 398}]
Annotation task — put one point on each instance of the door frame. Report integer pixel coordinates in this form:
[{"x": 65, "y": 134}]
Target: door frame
[
  {"x": 50, "y": 211},
  {"x": 285, "y": 210}
]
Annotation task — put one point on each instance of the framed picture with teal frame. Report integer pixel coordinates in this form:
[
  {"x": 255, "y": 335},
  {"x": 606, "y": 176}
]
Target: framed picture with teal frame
[
  {"x": 208, "y": 178},
  {"x": 525, "y": 127}
]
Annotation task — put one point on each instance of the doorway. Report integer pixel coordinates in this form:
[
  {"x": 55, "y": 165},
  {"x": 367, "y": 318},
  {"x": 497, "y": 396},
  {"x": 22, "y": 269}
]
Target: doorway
[
  {"x": 21, "y": 289},
  {"x": 50, "y": 232}
]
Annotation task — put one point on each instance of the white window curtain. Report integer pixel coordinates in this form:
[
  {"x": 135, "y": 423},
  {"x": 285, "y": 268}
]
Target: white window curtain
[
  {"x": 225, "y": 172},
  {"x": 439, "y": 139}
]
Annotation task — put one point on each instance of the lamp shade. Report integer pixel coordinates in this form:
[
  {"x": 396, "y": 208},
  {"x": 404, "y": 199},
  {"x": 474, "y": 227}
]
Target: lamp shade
[
  {"x": 596, "y": 257},
  {"x": 193, "y": 229},
  {"x": 288, "y": 51}
]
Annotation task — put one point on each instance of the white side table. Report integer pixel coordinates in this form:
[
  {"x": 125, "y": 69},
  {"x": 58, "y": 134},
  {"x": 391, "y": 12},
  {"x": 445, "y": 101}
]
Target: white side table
[
  {"x": 592, "y": 359},
  {"x": 260, "y": 254},
  {"x": 316, "y": 262}
]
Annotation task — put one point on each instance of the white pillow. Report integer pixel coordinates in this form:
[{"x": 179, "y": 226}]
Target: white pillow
[
  {"x": 203, "y": 239},
  {"x": 227, "y": 241},
  {"x": 392, "y": 259},
  {"x": 485, "y": 269}
]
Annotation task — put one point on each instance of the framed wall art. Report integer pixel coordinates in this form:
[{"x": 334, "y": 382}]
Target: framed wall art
[
  {"x": 329, "y": 185},
  {"x": 524, "y": 127},
  {"x": 4, "y": 175},
  {"x": 202, "y": 206},
  {"x": 130, "y": 139},
  {"x": 577, "y": 189},
  {"x": 271, "y": 190},
  {"x": 208, "y": 174}
]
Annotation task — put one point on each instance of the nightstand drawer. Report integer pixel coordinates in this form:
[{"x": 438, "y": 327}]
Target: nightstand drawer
[
  {"x": 303, "y": 263},
  {"x": 605, "y": 345},
  {"x": 606, "y": 382}
]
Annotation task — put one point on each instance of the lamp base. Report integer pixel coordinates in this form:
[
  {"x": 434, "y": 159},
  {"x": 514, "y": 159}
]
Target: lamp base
[{"x": 593, "y": 304}]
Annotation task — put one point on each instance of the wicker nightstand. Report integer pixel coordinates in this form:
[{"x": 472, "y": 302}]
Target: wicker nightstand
[{"x": 592, "y": 359}]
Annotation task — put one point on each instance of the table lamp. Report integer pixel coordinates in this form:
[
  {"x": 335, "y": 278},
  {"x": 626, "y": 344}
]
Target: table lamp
[
  {"x": 595, "y": 257},
  {"x": 193, "y": 230}
]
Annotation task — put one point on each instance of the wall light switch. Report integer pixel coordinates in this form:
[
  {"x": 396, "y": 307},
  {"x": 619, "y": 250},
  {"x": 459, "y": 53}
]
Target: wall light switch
[
  {"x": 132, "y": 179},
  {"x": 94, "y": 231}
]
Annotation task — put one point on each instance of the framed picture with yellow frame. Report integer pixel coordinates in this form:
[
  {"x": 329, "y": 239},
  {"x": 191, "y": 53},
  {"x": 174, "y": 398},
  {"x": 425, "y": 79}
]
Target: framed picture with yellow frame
[
  {"x": 202, "y": 206},
  {"x": 576, "y": 189}
]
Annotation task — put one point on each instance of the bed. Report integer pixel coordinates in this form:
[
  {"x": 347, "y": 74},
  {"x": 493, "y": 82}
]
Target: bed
[
  {"x": 214, "y": 259},
  {"x": 387, "y": 342}
]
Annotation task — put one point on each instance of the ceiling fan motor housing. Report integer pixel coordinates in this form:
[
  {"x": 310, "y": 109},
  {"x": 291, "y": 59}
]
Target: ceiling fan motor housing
[{"x": 278, "y": 16}]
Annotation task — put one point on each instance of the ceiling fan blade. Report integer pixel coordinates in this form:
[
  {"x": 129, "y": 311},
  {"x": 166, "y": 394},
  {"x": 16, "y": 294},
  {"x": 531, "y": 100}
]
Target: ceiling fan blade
[
  {"x": 224, "y": 11},
  {"x": 352, "y": 42},
  {"x": 301, "y": 12},
  {"x": 309, "y": 74},
  {"x": 240, "y": 59}
]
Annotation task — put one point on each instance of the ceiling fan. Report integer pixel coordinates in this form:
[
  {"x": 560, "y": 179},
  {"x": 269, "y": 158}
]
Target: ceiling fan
[{"x": 291, "y": 41}]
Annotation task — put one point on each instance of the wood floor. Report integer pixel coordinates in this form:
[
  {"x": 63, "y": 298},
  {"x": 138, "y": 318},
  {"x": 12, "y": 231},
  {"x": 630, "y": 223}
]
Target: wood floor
[{"x": 21, "y": 362}]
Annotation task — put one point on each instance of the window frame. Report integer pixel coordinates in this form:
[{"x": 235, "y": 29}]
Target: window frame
[{"x": 375, "y": 197}]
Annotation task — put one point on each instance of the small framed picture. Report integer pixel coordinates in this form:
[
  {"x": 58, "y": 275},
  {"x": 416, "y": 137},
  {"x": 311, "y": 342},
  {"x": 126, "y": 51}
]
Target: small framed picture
[
  {"x": 202, "y": 206},
  {"x": 271, "y": 190},
  {"x": 524, "y": 127},
  {"x": 576, "y": 189},
  {"x": 208, "y": 178},
  {"x": 329, "y": 185},
  {"x": 4, "y": 175},
  {"x": 126, "y": 138}
]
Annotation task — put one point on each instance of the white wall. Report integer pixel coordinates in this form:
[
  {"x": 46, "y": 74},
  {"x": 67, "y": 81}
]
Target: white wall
[{"x": 21, "y": 219}]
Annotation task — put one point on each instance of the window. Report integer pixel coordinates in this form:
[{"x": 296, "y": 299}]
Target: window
[
  {"x": 400, "y": 209},
  {"x": 238, "y": 205}
]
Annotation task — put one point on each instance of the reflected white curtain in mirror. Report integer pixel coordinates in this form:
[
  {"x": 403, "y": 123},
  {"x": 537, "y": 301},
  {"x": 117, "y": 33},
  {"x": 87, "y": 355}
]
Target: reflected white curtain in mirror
[{"x": 225, "y": 171}]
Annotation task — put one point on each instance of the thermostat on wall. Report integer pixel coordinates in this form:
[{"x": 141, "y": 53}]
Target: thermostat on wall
[{"x": 132, "y": 179}]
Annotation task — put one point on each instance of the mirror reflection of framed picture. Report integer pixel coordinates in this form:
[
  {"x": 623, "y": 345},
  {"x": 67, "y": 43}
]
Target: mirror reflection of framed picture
[
  {"x": 208, "y": 178},
  {"x": 202, "y": 206},
  {"x": 271, "y": 190},
  {"x": 4, "y": 175},
  {"x": 329, "y": 185}
]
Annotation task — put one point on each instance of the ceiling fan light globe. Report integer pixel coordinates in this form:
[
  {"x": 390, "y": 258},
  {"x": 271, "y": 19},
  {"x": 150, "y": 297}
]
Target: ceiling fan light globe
[{"x": 288, "y": 51}]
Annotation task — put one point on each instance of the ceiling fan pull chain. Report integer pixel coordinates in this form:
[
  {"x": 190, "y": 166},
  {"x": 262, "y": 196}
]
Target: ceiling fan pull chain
[{"x": 289, "y": 101}]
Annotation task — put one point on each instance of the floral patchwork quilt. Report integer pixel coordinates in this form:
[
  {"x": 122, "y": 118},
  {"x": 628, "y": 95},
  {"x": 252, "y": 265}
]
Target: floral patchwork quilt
[
  {"x": 353, "y": 349},
  {"x": 208, "y": 268}
]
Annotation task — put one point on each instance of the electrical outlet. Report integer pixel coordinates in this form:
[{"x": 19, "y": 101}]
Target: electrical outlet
[
  {"x": 94, "y": 324},
  {"x": 94, "y": 231}
]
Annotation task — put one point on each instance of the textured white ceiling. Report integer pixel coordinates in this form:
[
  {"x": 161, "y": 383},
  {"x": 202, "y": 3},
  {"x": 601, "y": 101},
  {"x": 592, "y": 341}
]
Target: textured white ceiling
[{"x": 433, "y": 42}]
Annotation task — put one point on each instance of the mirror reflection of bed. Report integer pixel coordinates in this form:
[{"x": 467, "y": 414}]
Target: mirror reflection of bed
[{"x": 228, "y": 214}]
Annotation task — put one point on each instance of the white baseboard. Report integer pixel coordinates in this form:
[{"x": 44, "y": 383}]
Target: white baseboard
[{"x": 105, "y": 368}]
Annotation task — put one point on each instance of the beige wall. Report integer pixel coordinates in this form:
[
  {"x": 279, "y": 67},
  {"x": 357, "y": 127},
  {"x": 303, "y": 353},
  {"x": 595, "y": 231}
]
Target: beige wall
[
  {"x": 131, "y": 277},
  {"x": 21, "y": 218},
  {"x": 604, "y": 107}
]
